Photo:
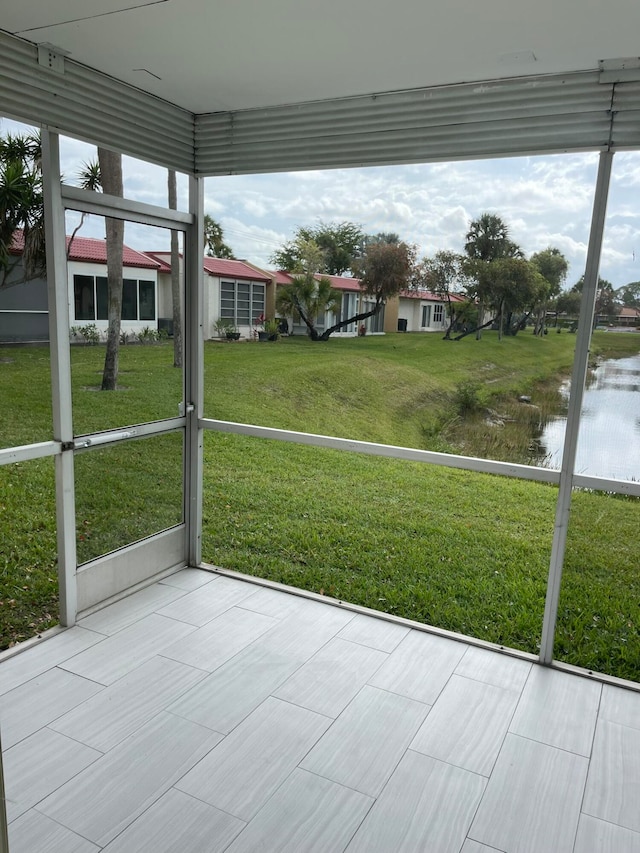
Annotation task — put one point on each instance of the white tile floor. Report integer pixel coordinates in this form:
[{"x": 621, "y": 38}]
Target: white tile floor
[{"x": 209, "y": 714}]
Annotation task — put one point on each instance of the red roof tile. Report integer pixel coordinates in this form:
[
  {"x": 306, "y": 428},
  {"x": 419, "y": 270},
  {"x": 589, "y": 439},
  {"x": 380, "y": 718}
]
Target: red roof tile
[
  {"x": 340, "y": 282},
  {"x": 281, "y": 276},
  {"x": 95, "y": 251},
  {"x": 431, "y": 297},
  {"x": 233, "y": 269},
  {"x": 160, "y": 257},
  {"x": 92, "y": 250},
  {"x": 629, "y": 311}
]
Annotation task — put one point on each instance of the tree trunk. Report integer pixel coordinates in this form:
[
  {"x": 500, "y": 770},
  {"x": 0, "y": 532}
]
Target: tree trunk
[
  {"x": 357, "y": 318},
  {"x": 176, "y": 299},
  {"x": 484, "y": 326},
  {"x": 111, "y": 178},
  {"x": 479, "y": 326}
]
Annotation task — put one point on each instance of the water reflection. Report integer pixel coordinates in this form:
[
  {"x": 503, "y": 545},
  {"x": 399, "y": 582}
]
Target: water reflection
[{"x": 609, "y": 439}]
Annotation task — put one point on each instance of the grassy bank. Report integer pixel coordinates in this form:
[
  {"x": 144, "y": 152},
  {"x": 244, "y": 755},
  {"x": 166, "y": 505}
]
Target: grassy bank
[{"x": 467, "y": 552}]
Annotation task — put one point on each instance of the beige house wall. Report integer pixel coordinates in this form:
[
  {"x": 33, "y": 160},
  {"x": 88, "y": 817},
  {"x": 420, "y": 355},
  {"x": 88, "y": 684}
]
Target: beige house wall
[{"x": 391, "y": 309}]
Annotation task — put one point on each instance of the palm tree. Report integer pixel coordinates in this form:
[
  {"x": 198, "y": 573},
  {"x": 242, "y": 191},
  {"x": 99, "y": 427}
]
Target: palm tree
[
  {"x": 487, "y": 240},
  {"x": 21, "y": 206},
  {"x": 307, "y": 298},
  {"x": 214, "y": 239}
]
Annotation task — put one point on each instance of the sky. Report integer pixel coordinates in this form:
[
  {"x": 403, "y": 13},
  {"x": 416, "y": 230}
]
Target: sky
[{"x": 545, "y": 201}]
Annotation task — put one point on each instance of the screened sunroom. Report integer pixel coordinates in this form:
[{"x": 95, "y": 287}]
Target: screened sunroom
[{"x": 186, "y": 702}]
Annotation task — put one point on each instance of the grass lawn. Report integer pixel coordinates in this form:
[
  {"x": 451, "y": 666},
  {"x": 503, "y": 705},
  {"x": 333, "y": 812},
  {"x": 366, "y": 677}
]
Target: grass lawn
[{"x": 464, "y": 551}]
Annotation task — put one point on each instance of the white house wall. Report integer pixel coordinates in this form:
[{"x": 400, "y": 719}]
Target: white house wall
[
  {"x": 411, "y": 311},
  {"x": 94, "y": 270}
]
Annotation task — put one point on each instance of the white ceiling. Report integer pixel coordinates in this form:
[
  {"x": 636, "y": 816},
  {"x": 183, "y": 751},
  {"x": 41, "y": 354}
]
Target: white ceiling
[{"x": 238, "y": 54}]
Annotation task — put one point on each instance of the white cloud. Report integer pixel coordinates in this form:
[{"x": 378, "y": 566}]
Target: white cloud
[{"x": 544, "y": 200}]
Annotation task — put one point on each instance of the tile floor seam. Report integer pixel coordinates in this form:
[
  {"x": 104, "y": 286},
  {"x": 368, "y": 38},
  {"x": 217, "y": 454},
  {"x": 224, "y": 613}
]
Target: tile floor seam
[
  {"x": 506, "y": 731},
  {"x": 586, "y": 758},
  {"x": 448, "y": 763},
  {"x": 373, "y": 797},
  {"x": 77, "y": 675},
  {"x": 82, "y": 769},
  {"x": 162, "y": 654},
  {"x": 401, "y": 695},
  {"x": 593, "y": 740},
  {"x": 68, "y": 828},
  {"x": 374, "y": 800},
  {"x": 206, "y": 803},
  {"x": 223, "y": 735},
  {"x": 612, "y": 823},
  {"x": 74, "y": 739}
]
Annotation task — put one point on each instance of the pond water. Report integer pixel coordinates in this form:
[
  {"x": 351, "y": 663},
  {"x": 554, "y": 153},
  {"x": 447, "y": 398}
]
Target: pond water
[{"x": 609, "y": 438}]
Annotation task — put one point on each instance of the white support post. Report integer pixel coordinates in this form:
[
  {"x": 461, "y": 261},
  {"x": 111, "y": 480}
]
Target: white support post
[
  {"x": 58, "y": 295},
  {"x": 194, "y": 371},
  {"x": 4, "y": 832},
  {"x": 578, "y": 379}
]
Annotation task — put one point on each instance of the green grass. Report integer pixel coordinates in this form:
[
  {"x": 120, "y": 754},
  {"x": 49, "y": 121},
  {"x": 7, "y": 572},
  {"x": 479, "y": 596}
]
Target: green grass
[{"x": 464, "y": 551}]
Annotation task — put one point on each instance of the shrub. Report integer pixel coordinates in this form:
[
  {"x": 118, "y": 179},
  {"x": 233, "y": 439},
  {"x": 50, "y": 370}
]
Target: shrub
[
  {"x": 88, "y": 334},
  {"x": 148, "y": 335},
  {"x": 466, "y": 398}
]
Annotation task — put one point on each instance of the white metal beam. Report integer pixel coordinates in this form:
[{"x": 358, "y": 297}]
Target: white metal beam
[
  {"x": 390, "y": 451},
  {"x": 57, "y": 288},
  {"x": 578, "y": 379},
  {"x": 194, "y": 371},
  {"x": 115, "y": 207}
]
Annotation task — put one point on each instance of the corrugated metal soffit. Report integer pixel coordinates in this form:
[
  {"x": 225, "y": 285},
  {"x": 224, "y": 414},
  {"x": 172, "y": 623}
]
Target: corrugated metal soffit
[
  {"x": 87, "y": 104},
  {"x": 531, "y": 115},
  {"x": 626, "y": 116}
]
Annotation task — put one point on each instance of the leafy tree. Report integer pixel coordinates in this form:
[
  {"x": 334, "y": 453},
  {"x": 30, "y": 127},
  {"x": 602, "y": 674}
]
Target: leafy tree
[
  {"x": 308, "y": 297},
  {"x": 606, "y": 300},
  {"x": 21, "y": 205},
  {"x": 381, "y": 237},
  {"x": 384, "y": 270},
  {"x": 341, "y": 244},
  {"x": 568, "y": 302},
  {"x": 444, "y": 275},
  {"x": 630, "y": 294},
  {"x": 214, "y": 239},
  {"x": 553, "y": 266},
  {"x": 487, "y": 241}
]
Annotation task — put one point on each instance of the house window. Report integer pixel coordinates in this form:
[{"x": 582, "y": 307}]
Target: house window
[
  {"x": 129, "y": 299},
  {"x": 84, "y": 297},
  {"x": 147, "y": 300},
  {"x": 102, "y": 298},
  {"x": 375, "y": 323},
  {"x": 438, "y": 314},
  {"x": 91, "y": 299},
  {"x": 241, "y": 301},
  {"x": 426, "y": 315}
]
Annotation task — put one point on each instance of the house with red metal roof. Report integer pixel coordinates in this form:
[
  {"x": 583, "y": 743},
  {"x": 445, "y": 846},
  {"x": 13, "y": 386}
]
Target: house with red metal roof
[
  {"x": 24, "y": 306},
  {"x": 628, "y": 316},
  {"x": 238, "y": 292},
  {"x": 409, "y": 311},
  {"x": 235, "y": 291},
  {"x": 423, "y": 311},
  {"x": 354, "y": 301}
]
